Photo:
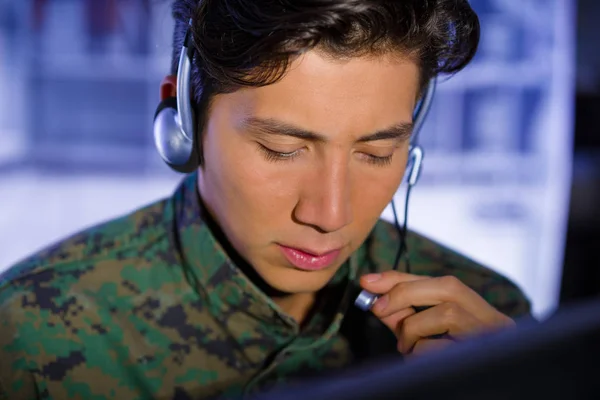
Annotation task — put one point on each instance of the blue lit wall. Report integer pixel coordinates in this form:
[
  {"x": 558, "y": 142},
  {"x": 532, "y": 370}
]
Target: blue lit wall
[{"x": 77, "y": 96}]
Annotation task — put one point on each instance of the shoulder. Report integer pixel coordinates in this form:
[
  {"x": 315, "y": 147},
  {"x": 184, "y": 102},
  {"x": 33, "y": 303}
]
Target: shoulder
[
  {"x": 428, "y": 257},
  {"x": 94, "y": 261},
  {"x": 105, "y": 241},
  {"x": 53, "y": 298}
]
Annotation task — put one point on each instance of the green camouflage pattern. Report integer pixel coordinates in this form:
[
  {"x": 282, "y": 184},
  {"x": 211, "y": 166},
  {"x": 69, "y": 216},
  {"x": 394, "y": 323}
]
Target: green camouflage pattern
[{"x": 149, "y": 306}]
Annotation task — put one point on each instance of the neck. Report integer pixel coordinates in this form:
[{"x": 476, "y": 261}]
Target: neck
[{"x": 299, "y": 306}]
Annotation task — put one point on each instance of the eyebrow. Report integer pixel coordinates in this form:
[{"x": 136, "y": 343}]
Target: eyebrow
[{"x": 271, "y": 126}]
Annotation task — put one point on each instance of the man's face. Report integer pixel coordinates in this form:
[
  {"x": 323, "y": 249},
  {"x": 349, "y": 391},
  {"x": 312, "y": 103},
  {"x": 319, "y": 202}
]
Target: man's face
[{"x": 297, "y": 173}]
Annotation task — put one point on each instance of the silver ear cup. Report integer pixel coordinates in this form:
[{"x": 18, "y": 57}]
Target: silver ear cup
[
  {"x": 174, "y": 147},
  {"x": 414, "y": 165},
  {"x": 174, "y": 131}
]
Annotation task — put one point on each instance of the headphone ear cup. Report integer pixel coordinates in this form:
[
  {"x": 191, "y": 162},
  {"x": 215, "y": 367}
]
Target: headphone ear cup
[
  {"x": 169, "y": 102},
  {"x": 414, "y": 164},
  {"x": 409, "y": 166},
  {"x": 175, "y": 148}
]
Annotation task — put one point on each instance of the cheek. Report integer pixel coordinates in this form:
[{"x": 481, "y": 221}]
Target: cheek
[
  {"x": 243, "y": 186},
  {"x": 372, "y": 194}
]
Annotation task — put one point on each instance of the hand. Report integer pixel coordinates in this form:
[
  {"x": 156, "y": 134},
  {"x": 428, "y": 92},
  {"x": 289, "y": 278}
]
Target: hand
[{"x": 457, "y": 311}]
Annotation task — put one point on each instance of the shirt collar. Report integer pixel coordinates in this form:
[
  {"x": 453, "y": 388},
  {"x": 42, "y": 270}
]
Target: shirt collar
[{"x": 225, "y": 288}]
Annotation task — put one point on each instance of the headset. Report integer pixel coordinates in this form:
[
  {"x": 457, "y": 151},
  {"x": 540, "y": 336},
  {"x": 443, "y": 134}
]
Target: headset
[
  {"x": 176, "y": 140},
  {"x": 174, "y": 122}
]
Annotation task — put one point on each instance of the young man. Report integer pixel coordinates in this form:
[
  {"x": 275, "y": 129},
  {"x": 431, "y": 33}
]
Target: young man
[{"x": 245, "y": 278}]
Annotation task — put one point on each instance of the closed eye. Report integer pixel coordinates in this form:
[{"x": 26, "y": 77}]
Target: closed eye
[
  {"x": 378, "y": 160},
  {"x": 273, "y": 155}
]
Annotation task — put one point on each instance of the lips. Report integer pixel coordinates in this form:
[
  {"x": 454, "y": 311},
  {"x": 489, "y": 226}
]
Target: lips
[{"x": 309, "y": 260}]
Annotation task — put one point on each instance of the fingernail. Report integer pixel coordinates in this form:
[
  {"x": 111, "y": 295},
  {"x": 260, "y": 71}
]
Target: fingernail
[
  {"x": 372, "y": 277},
  {"x": 381, "y": 303}
]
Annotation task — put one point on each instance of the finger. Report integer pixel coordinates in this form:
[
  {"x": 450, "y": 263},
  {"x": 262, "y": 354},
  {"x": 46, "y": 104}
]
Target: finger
[
  {"x": 447, "y": 319},
  {"x": 427, "y": 345},
  {"x": 385, "y": 281},
  {"x": 434, "y": 291},
  {"x": 394, "y": 321}
]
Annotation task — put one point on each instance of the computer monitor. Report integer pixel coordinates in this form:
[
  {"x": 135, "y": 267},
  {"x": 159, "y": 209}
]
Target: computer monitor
[{"x": 558, "y": 358}]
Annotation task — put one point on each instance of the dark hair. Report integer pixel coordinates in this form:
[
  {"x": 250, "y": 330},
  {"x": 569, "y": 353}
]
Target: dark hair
[{"x": 251, "y": 42}]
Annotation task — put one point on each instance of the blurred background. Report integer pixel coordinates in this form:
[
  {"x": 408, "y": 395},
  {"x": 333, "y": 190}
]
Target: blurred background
[{"x": 512, "y": 167}]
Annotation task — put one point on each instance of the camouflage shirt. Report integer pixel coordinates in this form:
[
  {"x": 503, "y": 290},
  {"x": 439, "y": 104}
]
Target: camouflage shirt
[{"x": 150, "y": 306}]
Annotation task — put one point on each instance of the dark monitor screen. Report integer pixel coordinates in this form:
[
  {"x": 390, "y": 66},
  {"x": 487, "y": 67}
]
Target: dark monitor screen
[{"x": 558, "y": 358}]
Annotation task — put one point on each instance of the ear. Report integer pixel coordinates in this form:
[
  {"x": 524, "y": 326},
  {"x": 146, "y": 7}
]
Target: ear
[{"x": 168, "y": 87}]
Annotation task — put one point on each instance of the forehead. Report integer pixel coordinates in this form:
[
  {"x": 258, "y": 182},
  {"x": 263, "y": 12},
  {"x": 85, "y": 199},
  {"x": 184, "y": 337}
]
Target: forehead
[{"x": 336, "y": 97}]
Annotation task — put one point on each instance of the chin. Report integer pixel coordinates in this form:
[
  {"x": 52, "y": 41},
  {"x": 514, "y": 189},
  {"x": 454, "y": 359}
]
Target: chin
[{"x": 295, "y": 282}]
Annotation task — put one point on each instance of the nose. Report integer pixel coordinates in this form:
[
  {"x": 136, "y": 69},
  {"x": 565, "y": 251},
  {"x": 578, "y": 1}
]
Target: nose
[{"x": 325, "y": 202}]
